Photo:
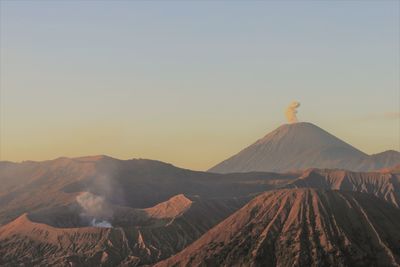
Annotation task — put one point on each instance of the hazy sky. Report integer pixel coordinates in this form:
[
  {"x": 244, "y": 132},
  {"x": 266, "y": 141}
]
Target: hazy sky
[{"x": 192, "y": 83}]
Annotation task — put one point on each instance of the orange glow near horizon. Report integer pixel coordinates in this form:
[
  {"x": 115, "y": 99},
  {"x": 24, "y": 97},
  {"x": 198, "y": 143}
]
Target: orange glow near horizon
[{"x": 188, "y": 84}]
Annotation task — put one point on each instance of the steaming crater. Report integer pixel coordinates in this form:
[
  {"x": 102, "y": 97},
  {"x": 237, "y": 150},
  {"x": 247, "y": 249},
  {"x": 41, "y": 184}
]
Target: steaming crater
[
  {"x": 69, "y": 217},
  {"x": 91, "y": 210}
]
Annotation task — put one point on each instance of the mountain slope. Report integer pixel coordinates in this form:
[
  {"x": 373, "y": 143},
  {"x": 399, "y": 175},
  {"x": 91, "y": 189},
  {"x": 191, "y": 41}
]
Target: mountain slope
[
  {"x": 301, "y": 227},
  {"x": 301, "y": 146},
  {"x": 386, "y": 159},
  {"x": 386, "y": 186}
]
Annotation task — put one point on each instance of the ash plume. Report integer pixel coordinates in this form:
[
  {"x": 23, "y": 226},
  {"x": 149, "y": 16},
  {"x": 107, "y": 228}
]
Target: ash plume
[{"x": 291, "y": 112}]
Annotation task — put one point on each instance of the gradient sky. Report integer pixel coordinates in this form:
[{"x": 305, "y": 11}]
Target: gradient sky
[{"x": 192, "y": 83}]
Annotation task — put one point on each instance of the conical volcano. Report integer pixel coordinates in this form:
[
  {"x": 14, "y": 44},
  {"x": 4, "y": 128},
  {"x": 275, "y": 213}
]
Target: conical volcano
[{"x": 300, "y": 146}]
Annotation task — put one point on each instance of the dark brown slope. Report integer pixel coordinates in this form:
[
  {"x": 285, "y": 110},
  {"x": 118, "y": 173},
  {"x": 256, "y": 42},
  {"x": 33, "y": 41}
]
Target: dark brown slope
[
  {"x": 138, "y": 237},
  {"x": 301, "y": 227},
  {"x": 300, "y": 146}
]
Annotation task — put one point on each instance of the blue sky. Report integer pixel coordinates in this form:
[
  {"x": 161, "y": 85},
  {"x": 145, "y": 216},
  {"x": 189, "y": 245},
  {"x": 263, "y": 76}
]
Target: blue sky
[{"x": 193, "y": 82}]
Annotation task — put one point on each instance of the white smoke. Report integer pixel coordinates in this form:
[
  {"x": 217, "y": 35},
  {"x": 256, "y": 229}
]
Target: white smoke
[
  {"x": 291, "y": 112},
  {"x": 94, "y": 207},
  {"x": 103, "y": 224}
]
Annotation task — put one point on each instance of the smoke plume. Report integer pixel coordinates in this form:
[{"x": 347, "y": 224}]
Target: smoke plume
[
  {"x": 291, "y": 112},
  {"x": 103, "y": 224},
  {"x": 94, "y": 207}
]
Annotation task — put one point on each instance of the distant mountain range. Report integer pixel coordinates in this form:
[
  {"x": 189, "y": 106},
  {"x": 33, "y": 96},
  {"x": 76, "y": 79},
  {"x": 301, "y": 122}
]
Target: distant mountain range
[
  {"x": 300, "y": 146},
  {"x": 147, "y": 211},
  {"x": 314, "y": 207}
]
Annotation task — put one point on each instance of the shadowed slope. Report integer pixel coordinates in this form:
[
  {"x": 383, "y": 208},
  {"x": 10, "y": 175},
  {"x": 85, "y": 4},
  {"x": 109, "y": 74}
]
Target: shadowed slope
[{"x": 301, "y": 227}]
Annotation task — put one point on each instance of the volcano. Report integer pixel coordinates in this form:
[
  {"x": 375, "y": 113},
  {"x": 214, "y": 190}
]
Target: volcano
[{"x": 303, "y": 145}]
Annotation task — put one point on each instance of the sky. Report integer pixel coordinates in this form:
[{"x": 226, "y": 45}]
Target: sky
[{"x": 193, "y": 82}]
